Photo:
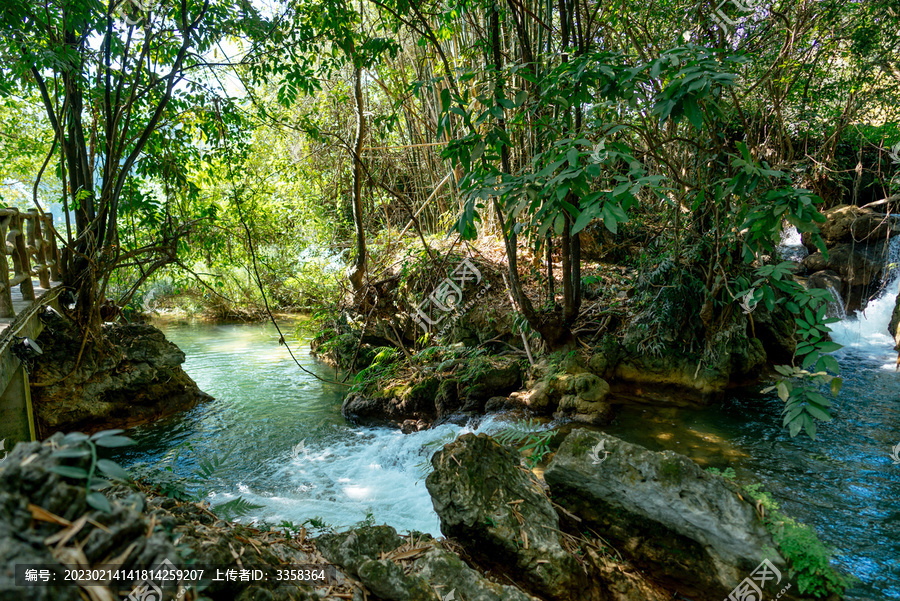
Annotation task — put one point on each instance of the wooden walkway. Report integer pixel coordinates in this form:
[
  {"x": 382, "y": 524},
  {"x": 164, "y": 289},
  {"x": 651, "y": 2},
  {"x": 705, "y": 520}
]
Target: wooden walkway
[
  {"x": 21, "y": 304},
  {"x": 29, "y": 273}
]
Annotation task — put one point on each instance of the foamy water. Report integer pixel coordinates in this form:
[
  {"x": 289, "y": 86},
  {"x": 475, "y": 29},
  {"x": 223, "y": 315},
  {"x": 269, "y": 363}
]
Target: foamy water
[{"x": 865, "y": 334}]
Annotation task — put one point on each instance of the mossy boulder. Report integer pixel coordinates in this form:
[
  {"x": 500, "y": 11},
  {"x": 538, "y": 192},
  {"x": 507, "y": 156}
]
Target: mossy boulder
[
  {"x": 688, "y": 528},
  {"x": 501, "y": 515}
]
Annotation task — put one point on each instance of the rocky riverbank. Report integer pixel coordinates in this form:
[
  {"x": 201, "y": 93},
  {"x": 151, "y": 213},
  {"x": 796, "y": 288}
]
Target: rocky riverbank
[
  {"x": 610, "y": 521},
  {"x": 131, "y": 375}
]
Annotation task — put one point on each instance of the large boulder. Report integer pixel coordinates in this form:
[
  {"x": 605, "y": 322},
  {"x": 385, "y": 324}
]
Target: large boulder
[
  {"x": 856, "y": 264},
  {"x": 435, "y": 394},
  {"x": 688, "y": 528},
  {"x": 132, "y": 376},
  {"x": 499, "y": 512},
  {"x": 849, "y": 223}
]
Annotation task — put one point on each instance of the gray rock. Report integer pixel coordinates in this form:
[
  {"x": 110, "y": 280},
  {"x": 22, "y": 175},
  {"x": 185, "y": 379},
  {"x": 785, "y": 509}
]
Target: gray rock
[
  {"x": 389, "y": 582},
  {"x": 857, "y": 264},
  {"x": 688, "y": 528},
  {"x": 449, "y": 574},
  {"x": 135, "y": 378},
  {"x": 499, "y": 512},
  {"x": 352, "y": 549}
]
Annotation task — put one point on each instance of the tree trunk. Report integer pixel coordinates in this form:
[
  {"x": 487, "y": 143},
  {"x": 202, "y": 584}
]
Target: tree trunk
[{"x": 356, "y": 273}]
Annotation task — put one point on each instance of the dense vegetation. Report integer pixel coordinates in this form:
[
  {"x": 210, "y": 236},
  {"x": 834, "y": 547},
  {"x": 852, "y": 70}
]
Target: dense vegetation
[{"x": 304, "y": 154}]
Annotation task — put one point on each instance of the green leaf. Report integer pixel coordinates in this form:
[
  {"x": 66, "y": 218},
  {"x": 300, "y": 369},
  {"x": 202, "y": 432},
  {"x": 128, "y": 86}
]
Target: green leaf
[
  {"x": 73, "y": 437},
  {"x": 72, "y": 452},
  {"x": 99, "y": 502},
  {"x": 829, "y": 347},
  {"x": 69, "y": 471},
  {"x": 810, "y": 426},
  {"x": 115, "y": 441},
  {"x": 818, "y": 413},
  {"x": 831, "y": 364},
  {"x": 836, "y": 384},
  {"x": 783, "y": 391},
  {"x": 572, "y": 157},
  {"x": 105, "y": 433},
  {"x": 694, "y": 115},
  {"x": 113, "y": 469}
]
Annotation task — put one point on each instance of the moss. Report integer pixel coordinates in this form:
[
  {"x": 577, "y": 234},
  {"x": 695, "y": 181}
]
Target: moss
[
  {"x": 580, "y": 445},
  {"x": 670, "y": 468},
  {"x": 809, "y": 559}
]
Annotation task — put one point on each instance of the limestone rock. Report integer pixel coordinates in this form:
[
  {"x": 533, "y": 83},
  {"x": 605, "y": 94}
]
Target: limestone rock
[
  {"x": 134, "y": 377},
  {"x": 499, "y": 512},
  {"x": 449, "y": 574},
  {"x": 849, "y": 223},
  {"x": 668, "y": 516},
  {"x": 894, "y": 326},
  {"x": 352, "y": 549},
  {"x": 857, "y": 265},
  {"x": 389, "y": 582}
]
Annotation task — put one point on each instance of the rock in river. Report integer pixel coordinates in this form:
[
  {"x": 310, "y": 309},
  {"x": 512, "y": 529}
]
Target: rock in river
[{"x": 688, "y": 528}]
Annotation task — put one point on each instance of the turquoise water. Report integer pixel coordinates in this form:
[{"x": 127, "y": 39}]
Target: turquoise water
[{"x": 265, "y": 407}]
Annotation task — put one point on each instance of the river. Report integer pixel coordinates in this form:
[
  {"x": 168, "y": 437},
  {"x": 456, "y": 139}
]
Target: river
[{"x": 844, "y": 484}]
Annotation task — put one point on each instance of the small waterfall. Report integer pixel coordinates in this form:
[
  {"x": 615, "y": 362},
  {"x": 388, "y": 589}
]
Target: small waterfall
[
  {"x": 791, "y": 247},
  {"x": 836, "y": 307},
  {"x": 867, "y": 330}
]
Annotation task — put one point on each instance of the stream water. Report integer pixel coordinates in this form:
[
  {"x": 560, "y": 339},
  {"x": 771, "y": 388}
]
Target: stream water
[
  {"x": 844, "y": 484},
  {"x": 288, "y": 447}
]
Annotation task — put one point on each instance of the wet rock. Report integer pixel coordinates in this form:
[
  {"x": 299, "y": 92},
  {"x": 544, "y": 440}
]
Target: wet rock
[
  {"x": 490, "y": 377},
  {"x": 857, "y": 265},
  {"x": 413, "y": 400},
  {"x": 448, "y": 574},
  {"x": 446, "y": 401},
  {"x": 894, "y": 326},
  {"x": 826, "y": 279},
  {"x": 389, "y": 582},
  {"x": 133, "y": 376},
  {"x": 499, "y": 512},
  {"x": 849, "y": 223},
  {"x": 352, "y": 549},
  {"x": 690, "y": 529},
  {"x": 775, "y": 330}
]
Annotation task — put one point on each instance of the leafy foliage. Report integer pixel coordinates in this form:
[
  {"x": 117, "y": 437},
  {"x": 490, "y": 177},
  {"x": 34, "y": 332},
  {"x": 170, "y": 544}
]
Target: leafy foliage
[
  {"x": 76, "y": 445},
  {"x": 808, "y": 557},
  {"x": 527, "y": 435}
]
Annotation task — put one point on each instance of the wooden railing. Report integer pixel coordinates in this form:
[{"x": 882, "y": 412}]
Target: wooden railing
[{"x": 33, "y": 254}]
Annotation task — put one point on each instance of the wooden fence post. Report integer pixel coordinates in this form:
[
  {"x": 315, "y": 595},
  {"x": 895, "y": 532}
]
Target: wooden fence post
[
  {"x": 6, "y": 306},
  {"x": 50, "y": 238},
  {"x": 24, "y": 262},
  {"x": 37, "y": 245}
]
